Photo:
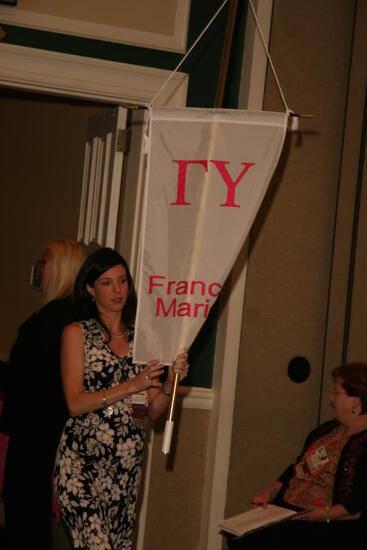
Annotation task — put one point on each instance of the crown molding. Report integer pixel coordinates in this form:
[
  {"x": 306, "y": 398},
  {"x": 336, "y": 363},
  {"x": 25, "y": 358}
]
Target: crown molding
[{"x": 84, "y": 77}]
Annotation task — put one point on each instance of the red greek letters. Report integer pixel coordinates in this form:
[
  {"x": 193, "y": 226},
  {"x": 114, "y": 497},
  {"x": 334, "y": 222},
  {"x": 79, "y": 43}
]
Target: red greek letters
[
  {"x": 220, "y": 165},
  {"x": 181, "y": 180}
]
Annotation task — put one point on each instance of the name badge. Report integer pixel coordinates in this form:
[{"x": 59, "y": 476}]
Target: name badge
[
  {"x": 138, "y": 404},
  {"x": 318, "y": 459}
]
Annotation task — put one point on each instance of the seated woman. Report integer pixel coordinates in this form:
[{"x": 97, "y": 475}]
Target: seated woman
[{"x": 328, "y": 482}]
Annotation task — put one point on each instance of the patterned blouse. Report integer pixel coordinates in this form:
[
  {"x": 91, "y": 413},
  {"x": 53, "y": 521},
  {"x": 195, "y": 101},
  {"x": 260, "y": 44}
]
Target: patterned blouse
[{"x": 320, "y": 462}]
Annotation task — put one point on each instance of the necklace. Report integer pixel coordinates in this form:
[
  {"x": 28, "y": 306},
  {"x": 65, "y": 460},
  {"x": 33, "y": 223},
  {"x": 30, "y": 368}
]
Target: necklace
[{"x": 120, "y": 336}]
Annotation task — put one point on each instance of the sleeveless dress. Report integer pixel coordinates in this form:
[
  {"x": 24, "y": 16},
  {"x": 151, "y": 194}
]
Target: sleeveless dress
[{"x": 98, "y": 462}]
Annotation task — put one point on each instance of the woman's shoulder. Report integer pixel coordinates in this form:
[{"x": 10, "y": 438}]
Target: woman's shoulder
[
  {"x": 91, "y": 329},
  {"x": 56, "y": 313},
  {"x": 84, "y": 333},
  {"x": 360, "y": 438},
  {"x": 47, "y": 323},
  {"x": 321, "y": 430},
  {"x": 72, "y": 331},
  {"x": 62, "y": 305}
]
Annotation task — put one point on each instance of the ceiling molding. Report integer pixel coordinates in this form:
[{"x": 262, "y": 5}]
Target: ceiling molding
[{"x": 84, "y": 77}]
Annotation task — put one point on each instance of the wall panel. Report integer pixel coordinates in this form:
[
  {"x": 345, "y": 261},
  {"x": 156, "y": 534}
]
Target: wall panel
[
  {"x": 291, "y": 247},
  {"x": 345, "y": 337},
  {"x": 175, "y": 498}
]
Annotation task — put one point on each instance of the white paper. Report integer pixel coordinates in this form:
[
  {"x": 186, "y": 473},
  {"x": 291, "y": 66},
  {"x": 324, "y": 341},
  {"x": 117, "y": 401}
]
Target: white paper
[{"x": 255, "y": 518}]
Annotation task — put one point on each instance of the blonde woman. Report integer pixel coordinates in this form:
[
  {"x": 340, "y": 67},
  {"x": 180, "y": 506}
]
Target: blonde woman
[{"x": 34, "y": 410}]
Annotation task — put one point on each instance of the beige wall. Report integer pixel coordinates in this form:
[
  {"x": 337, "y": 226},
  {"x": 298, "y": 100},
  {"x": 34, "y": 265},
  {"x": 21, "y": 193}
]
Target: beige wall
[
  {"x": 357, "y": 343},
  {"x": 291, "y": 247},
  {"x": 345, "y": 335},
  {"x": 175, "y": 499}
]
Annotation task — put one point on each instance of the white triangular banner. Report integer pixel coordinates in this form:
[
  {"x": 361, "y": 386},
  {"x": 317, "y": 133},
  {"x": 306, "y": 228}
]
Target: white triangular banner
[{"x": 208, "y": 171}]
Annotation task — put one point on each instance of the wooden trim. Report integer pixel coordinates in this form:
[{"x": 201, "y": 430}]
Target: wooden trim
[
  {"x": 196, "y": 398},
  {"x": 84, "y": 77},
  {"x": 255, "y": 61},
  {"x": 63, "y": 25}
]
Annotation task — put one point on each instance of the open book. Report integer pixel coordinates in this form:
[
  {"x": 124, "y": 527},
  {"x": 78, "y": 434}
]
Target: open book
[{"x": 255, "y": 518}]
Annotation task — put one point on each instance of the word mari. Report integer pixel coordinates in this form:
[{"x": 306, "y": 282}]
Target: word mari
[{"x": 174, "y": 307}]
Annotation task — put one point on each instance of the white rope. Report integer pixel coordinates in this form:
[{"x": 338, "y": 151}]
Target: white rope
[
  {"x": 188, "y": 53},
  {"x": 295, "y": 124},
  {"x": 268, "y": 55}
]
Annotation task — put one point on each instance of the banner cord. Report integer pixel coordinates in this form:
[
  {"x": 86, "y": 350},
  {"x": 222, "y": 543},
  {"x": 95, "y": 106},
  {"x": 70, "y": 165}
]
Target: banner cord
[
  {"x": 268, "y": 56},
  {"x": 188, "y": 52},
  {"x": 202, "y": 34}
]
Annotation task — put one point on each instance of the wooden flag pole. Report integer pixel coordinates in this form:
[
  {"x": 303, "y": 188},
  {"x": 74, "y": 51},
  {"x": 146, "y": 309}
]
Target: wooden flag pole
[{"x": 218, "y": 103}]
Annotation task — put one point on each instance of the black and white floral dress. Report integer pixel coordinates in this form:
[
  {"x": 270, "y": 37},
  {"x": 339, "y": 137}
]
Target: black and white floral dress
[{"x": 98, "y": 462}]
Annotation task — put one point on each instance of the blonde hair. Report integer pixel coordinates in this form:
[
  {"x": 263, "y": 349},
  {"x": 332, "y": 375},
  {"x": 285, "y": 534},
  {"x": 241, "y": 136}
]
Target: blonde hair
[{"x": 63, "y": 261}]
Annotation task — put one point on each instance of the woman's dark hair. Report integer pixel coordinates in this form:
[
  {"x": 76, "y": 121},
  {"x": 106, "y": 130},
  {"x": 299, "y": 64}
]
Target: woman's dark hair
[
  {"x": 353, "y": 379},
  {"x": 97, "y": 263}
]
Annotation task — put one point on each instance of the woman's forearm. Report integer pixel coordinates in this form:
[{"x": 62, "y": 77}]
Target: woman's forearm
[
  {"x": 85, "y": 402},
  {"x": 338, "y": 511},
  {"x": 326, "y": 513}
]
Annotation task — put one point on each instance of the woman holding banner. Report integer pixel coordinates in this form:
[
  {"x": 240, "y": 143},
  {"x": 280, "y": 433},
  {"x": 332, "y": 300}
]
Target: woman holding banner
[{"x": 100, "y": 453}]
